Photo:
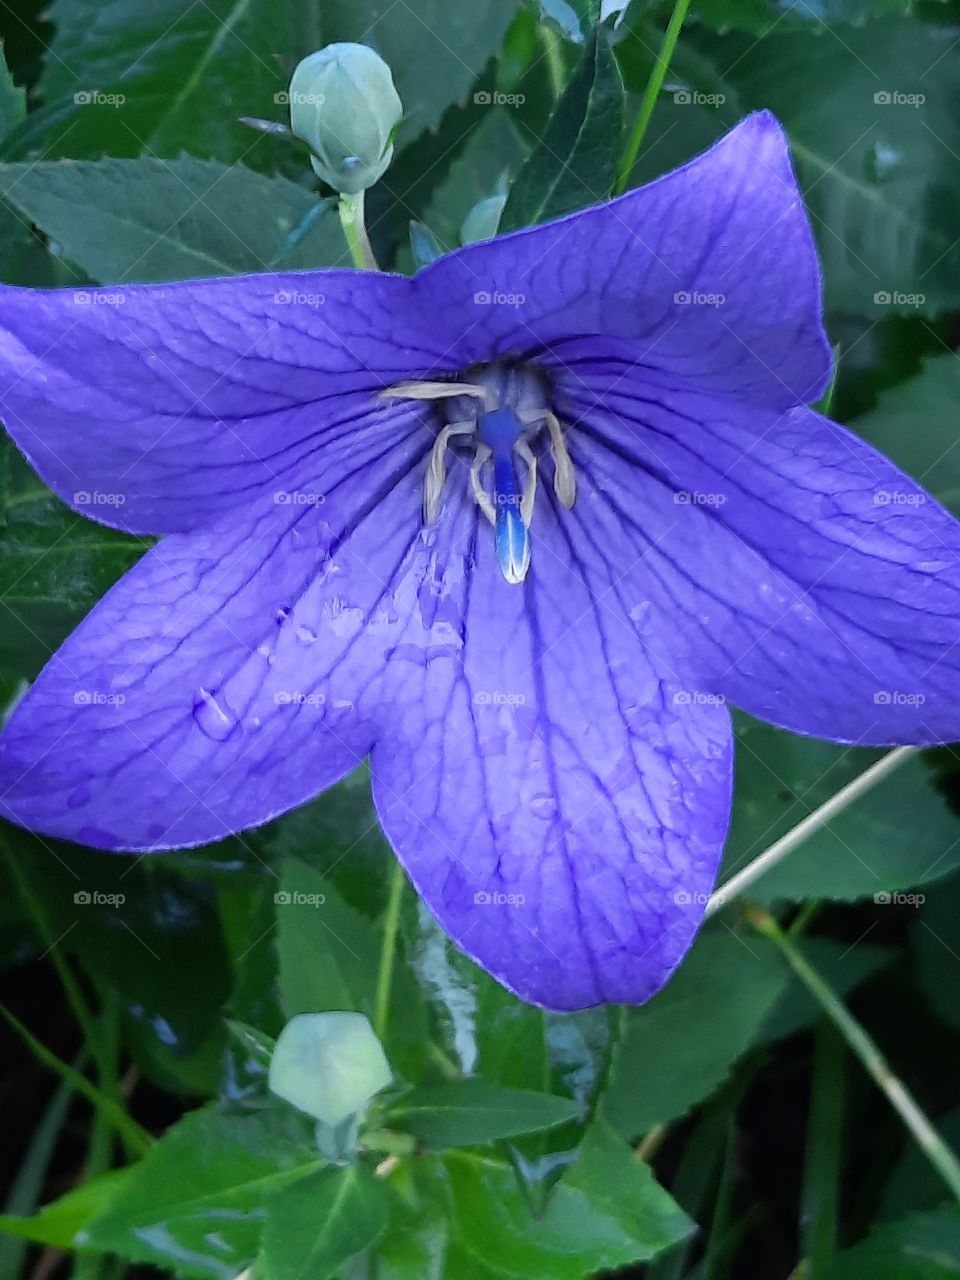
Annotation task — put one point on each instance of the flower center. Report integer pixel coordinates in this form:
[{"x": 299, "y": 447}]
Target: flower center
[{"x": 499, "y": 411}]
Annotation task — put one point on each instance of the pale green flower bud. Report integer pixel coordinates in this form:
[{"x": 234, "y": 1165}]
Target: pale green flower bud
[
  {"x": 483, "y": 220},
  {"x": 329, "y": 1065},
  {"x": 344, "y": 105}
]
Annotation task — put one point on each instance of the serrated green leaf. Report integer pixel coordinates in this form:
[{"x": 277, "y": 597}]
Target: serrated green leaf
[
  {"x": 148, "y": 219},
  {"x": 58, "y": 1224},
  {"x": 679, "y": 1047},
  {"x": 319, "y": 1222},
  {"x": 471, "y": 1112},
  {"x": 195, "y": 1203},
  {"x": 127, "y": 78},
  {"x": 575, "y": 164},
  {"x": 871, "y": 116},
  {"x": 874, "y": 847},
  {"x": 606, "y": 1211}
]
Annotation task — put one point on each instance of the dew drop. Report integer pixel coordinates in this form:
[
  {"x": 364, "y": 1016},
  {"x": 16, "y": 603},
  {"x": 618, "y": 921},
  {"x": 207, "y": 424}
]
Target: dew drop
[
  {"x": 213, "y": 717},
  {"x": 544, "y": 806},
  {"x": 305, "y": 635},
  {"x": 282, "y": 614}
]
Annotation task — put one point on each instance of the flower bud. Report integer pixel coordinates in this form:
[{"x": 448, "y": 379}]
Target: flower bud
[
  {"x": 344, "y": 105},
  {"x": 483, "y": 220},
  {"x": 329, "y": 1065}
]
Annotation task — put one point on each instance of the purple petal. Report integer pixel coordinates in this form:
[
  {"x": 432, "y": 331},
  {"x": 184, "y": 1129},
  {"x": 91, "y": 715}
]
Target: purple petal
[
  {"x": 157, "y": 408},
  {"x": 231, "y": 675},
  {"x": 709, "y": 273},
  {"x": 772, "y": 557},
  {"x": 558, "y": 808}
]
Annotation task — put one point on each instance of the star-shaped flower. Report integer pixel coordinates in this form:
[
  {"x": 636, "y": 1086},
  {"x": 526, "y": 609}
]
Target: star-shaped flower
[{"x": 518, "y": 527}]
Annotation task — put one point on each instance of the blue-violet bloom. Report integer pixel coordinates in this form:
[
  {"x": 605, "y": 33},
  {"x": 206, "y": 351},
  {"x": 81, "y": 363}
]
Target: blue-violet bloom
[{"x": 518, "y": 528}]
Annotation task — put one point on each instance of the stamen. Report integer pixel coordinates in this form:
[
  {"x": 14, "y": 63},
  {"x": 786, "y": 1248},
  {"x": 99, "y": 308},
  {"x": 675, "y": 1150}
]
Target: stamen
[
  {"x": 480, "y": 459},
  {"x": 564, "y": 476},
  {"x": 529, "y": 483},
  {"x": 437, "y": 468},
  {"x": 434, "y": 391}
]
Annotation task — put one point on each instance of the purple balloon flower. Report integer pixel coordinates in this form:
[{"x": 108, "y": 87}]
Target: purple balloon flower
[{"x": 518, "y": 528}]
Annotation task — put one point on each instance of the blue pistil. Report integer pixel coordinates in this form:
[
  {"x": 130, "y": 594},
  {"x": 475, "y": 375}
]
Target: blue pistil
[{"x": 500, "y": 430}]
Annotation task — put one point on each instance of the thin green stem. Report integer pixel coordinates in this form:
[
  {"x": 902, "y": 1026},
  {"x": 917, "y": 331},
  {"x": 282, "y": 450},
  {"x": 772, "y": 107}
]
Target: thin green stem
[
  {"x": 138, "y": 1138},
  {"x": 863, "y": 1047},
  {"x": 650, "y": 94},
  {"x": 824, "y": 1155},
  {"x": 553, "y": 54},
  {"x": 391, "y": 925},
  {"x": 353, "y": 221}
]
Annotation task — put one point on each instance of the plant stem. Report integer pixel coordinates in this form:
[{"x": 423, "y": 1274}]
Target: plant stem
[
  {"x": 867, "y": 780},
  {"x": 352, "y": 219},
  {"x": 391, "y": 923},
  {"x": 823, "y": 1161},
  {"x": 863, "y": 1047},
  {"x": 138, "y": 1138},
  {"x": 650, "y": 94}
]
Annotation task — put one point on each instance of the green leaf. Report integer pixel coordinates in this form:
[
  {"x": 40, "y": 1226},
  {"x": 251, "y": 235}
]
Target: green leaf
[
  {"x": 878, "y": 166},
  {"x": 151, "y": 219},
  {"x": 194, "y": 1204},
  {"x": 679, "y": 1047},
  {"x": 873, "y": 848},
  {"x": 329, "y": 952},
  {"x": 54, "y": 566},
  {"x": 435, "y": 49},
  {"x": 935, "y": 939},
  {"x": 13, "y": 101},
  {"x": 842, "y": 966},
  {"x": 607, "y": 1211},
  {"x": 321, "y": 1221},
  {"x": 494, "y": 152},
  {"x": 760, "y": 16},
  {"x": 59, "y": 1223},
  {"x": 925, "y": 1246},
  {"x": 127, "y": 78},
  {"x": 576, "y": 162},
  {"x": 471, "y": 1112},
  {"x": 929, "y": 400}
]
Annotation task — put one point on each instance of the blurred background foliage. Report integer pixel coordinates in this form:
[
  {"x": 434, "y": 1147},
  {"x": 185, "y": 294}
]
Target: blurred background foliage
[{"x": 723, "y": 1130}]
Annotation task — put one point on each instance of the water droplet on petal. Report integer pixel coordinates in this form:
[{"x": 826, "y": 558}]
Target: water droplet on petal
[
  {"x": 305, "y": 635},
  {"x": 213, "y": 716},
  {"x": 544, "y": 806},
  {"x": 282, "y": 614}
]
